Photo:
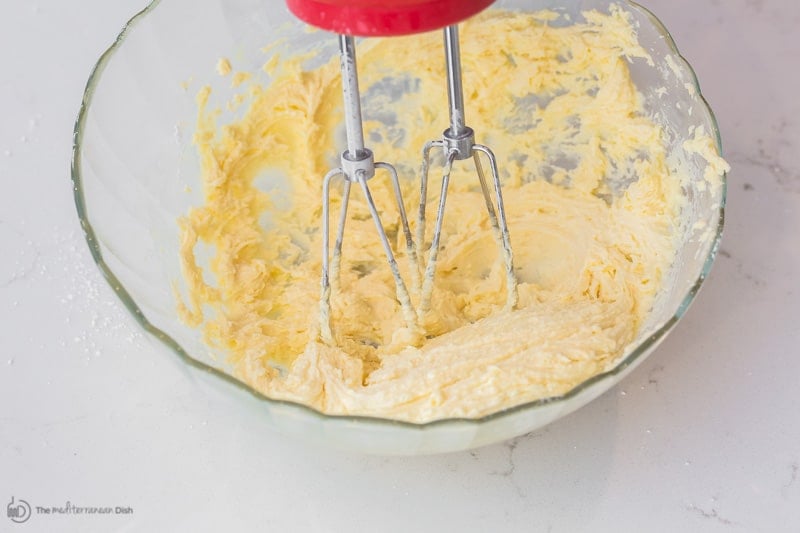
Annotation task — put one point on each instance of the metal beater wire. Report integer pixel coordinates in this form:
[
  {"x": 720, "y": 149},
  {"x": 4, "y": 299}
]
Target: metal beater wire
[
  {"x": 358, "y": 166},
  {"x": 458, "y": 143}
]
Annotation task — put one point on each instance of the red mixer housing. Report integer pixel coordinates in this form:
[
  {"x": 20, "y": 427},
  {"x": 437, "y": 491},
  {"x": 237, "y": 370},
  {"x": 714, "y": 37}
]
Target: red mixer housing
[{"x": 381, "y": 18}]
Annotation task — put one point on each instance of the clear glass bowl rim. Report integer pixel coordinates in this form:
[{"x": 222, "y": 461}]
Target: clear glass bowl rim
[{"x": 133, "y": 308}]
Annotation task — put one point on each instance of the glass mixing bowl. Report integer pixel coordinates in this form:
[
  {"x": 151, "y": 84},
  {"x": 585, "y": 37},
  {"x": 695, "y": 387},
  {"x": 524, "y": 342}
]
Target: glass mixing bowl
[{"x": 135, "y": 171}]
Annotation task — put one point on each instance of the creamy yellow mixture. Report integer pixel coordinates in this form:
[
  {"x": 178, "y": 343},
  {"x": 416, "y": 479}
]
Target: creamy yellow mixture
[{"x": 590, "y": 244}]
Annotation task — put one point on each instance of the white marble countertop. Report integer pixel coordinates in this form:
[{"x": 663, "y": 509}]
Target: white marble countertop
[{"x": 704, "y": 436}]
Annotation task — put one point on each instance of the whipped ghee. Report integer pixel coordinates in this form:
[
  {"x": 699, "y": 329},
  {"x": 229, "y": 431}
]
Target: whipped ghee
[{"x": 592, "y": 209}]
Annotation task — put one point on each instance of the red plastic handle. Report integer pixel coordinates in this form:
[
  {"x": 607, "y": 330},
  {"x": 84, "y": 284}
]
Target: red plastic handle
[{"x": 367, "y": 18}]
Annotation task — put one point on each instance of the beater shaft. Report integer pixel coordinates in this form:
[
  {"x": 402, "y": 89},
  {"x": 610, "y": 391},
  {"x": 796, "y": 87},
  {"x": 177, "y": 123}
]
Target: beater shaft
[
  {"x": 352, "y": 98},
  {"x": 455, "y": 91}
]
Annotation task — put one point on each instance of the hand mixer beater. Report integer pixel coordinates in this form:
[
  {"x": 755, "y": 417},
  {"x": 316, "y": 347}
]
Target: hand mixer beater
[{"x": 367, "y": 18}]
